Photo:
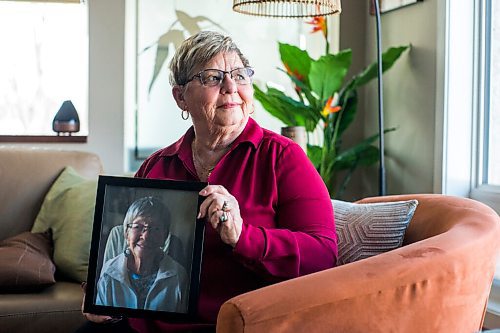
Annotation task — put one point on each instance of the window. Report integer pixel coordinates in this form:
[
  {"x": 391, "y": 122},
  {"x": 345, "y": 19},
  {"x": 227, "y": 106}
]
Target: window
[
  {"x": 44, "y": 61},
  {"x": 492, "y": 95},
  {"x": 487, "y": 182},
  {"x": 487, "y": 178}
]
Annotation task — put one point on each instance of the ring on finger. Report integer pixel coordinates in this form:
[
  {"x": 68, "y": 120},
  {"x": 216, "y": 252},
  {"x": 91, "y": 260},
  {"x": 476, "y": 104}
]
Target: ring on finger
[
  {"x": 224, "y": 206},
  {"x": 223, "y": 218}
]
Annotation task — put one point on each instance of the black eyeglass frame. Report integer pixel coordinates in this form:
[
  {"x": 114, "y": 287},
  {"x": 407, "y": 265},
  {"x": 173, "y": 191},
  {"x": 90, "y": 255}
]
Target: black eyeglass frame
[
  {"x": 143, "y": 228},
  {"x": 250, "y": 72}
]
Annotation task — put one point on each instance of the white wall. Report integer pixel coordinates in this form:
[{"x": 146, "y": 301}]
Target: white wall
[{"x": 106, "y": 82}]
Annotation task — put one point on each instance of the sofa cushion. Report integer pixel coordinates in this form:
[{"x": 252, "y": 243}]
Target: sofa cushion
[
  {"x": 365, "y": 230},
  {"x": 26, "y": 262},
  {"x": 68, "y": 209},
  {"x": 55, "y": 309}
]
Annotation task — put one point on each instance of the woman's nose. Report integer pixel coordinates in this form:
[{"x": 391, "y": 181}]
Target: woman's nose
[
  {"x": 228, "y": 85},
  {"x": 145, "y": 233}
]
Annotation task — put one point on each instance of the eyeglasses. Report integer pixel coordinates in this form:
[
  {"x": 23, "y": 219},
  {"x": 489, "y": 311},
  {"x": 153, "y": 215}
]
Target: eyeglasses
[
  {"x": 214, "y": 77},
  {"x": 141, "y": 228}
]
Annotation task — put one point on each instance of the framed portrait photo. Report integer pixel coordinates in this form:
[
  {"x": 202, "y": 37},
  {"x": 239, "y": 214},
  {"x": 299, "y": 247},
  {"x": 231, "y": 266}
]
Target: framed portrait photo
[{"x": 146, "y": 250}]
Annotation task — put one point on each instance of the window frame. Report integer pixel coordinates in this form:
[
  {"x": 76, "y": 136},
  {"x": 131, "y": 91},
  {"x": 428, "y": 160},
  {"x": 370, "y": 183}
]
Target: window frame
[
  {"x": 480, "y": 189},
  {"x": 460, "y": 115}
]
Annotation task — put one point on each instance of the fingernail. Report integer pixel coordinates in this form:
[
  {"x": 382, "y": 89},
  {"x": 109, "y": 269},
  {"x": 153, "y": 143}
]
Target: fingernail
[{"x": 199, "y": 215}]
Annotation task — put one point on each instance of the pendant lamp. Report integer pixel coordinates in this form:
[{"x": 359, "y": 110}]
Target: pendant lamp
[{"x": 287, "y": 8}]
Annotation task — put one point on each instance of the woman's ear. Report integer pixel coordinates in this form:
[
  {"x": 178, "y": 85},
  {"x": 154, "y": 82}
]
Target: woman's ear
[{"x": 178, "y": 93}]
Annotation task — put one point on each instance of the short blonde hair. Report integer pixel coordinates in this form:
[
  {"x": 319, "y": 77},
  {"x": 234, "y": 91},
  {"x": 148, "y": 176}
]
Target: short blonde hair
[{"x": 197, "y": 50}]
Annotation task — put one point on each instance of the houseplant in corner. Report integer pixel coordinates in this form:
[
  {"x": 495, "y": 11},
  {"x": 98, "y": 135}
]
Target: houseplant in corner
[{"x": 326, "y": 101}]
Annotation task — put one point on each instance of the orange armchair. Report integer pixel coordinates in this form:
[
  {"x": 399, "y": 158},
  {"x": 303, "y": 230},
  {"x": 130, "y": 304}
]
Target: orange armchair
[{"x": 438, "y": 281}]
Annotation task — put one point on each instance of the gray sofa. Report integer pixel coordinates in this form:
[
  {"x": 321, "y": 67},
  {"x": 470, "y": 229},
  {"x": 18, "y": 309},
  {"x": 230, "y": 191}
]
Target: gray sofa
[{"x": 26, "y": 175}]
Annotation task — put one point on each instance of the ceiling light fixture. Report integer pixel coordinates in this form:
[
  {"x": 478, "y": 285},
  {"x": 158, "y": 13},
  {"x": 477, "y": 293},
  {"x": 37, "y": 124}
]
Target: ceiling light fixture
[{"x": 287, "y": 8}]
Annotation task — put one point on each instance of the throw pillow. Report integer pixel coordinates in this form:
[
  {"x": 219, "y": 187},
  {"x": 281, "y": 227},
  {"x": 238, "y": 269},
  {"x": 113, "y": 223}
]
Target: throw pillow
[
  {"x": 365, "y": 230},
  {"x": 26, "y": 262},
  {"x": 68, "y": 209}
]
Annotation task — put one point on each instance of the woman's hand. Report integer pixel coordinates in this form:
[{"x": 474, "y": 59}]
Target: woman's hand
[
  {"x": 223, "y": 212},
  {"x": 98, "y": 319}
]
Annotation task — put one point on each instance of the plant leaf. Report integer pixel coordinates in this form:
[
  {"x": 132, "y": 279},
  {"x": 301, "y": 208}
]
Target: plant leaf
[
  {"x": 286, "y": 109},
  {"x": 297, "y": 60},
  {"x": 389, "y": 57},
  {"x": 314, "y": 154},
  {"x": 327, "y": 169},
  {"x": 363, "y": 153},
  {"x": 174, "y": 37},
  {"x": 271, "y": 104},
  {"x": 328, "y": 72},
  {"x": 304, "y": 89},
  {"x": 190, "y": 23},
  {"x": 349, "y": 108}
]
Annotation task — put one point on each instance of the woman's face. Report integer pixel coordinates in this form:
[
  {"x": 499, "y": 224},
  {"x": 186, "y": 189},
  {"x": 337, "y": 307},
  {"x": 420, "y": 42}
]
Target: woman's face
[
  {"x": 220, "y": 106},
  {"x": 145, "y": 236}
]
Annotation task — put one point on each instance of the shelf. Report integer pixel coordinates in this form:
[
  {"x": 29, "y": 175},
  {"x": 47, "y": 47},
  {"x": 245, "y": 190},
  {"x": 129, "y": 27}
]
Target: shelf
[{"x": 43, "y": 139}]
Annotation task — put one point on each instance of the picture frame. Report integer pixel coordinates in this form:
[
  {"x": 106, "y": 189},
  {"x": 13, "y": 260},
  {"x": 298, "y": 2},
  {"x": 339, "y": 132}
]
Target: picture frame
[
  {"x": 390, "y": 5},
  {"x": 146, "y": 249}
]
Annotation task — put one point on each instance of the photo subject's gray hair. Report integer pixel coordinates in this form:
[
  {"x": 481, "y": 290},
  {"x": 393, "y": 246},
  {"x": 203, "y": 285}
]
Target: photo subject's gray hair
[
  {"x": 150, "y": 207},
  {"x": 197, "y": 50}
]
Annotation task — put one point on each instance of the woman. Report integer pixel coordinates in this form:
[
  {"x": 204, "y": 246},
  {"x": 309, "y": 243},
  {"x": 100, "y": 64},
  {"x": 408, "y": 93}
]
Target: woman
[
  {"x": 144, "y": 276},
  {"x": 269, "y": 217}
]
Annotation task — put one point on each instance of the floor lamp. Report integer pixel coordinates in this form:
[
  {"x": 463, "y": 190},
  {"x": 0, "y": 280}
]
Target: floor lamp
[
  {"x": 382, "y": 181},
  {"x": 311, "y": 8}
]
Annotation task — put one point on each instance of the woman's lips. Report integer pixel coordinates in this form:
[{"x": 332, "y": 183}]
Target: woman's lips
[{"x": 229, "y": 105}]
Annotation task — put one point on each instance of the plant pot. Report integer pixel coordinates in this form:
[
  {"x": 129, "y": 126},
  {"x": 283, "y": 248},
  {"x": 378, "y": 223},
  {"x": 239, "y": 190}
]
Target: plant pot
[{"x": 297, "y": 134}]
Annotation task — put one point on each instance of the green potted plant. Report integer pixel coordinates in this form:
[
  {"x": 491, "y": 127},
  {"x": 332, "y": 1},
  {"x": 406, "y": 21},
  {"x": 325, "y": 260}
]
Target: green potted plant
[{"x": 327, "y": 101}]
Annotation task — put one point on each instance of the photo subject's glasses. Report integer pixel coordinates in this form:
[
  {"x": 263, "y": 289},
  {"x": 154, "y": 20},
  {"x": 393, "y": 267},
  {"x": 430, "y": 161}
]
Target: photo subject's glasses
[
  {"x": 214, "y": 77},
  {"x": 141, "y": 228}
]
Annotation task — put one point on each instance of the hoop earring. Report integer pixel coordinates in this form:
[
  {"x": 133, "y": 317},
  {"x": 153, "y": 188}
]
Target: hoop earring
[{"x": 187, "y": 114}]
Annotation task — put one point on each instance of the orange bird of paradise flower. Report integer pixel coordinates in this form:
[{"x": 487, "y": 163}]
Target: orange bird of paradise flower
[
  {"x": 295, "y": 74},
  {"x": 328, "y": 109},
  {"x": 319, "y": 24}
]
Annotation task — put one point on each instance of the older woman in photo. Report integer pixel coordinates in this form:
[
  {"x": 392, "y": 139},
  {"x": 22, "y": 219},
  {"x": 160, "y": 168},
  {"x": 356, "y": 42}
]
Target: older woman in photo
[
  {"x": 144, "y": 276},
  {"x": 268, "y": 214}
]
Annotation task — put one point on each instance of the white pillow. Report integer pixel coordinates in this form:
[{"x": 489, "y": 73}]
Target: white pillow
[{"x": 365, "y": 230}]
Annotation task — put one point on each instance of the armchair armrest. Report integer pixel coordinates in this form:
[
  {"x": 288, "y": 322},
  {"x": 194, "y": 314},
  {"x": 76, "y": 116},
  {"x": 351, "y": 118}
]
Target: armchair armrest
[{"x": 439, "y": 284}]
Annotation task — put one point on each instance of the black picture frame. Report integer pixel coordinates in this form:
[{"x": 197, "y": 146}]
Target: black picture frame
[{"x": 181, "y": 249}]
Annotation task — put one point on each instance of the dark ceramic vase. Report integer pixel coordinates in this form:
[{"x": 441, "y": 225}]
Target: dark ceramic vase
[{"x": 66, "y": 119}]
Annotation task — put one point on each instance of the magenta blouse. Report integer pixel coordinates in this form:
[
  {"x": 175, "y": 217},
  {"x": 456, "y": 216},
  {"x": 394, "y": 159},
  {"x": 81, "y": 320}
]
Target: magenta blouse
[{"x": 288, "y": 224}]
